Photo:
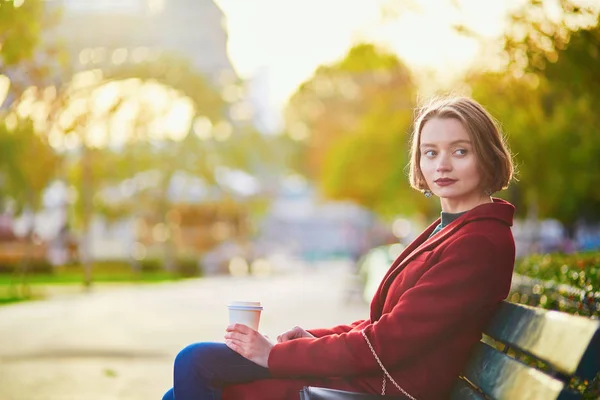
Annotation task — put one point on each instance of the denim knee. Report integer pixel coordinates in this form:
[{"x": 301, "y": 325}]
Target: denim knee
[
  {"x": 169, "y": 395},
  {"x": 194, "y": 357}
]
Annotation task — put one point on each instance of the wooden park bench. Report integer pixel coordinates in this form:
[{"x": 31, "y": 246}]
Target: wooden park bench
[{"x": 531, "y": 353}]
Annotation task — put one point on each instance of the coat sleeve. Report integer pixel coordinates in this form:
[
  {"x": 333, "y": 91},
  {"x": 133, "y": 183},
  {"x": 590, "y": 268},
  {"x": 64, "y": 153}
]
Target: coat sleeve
[
  {"x": 472, "y": 274},
  {"x": 336, "y": 330}
]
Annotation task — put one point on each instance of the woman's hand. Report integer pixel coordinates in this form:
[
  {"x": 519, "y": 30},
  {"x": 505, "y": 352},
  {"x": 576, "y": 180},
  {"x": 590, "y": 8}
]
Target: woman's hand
[
  {"x": 294, "y": 333},
  {"x": 249, "y": 343}
]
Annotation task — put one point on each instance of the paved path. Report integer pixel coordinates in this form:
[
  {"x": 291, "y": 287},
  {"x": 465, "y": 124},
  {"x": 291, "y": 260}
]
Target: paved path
[{"x": 120, "y": 344}]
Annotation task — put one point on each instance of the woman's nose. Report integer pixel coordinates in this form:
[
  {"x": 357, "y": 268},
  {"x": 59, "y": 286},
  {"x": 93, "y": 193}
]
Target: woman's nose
[{"x": 444, "y": 163}]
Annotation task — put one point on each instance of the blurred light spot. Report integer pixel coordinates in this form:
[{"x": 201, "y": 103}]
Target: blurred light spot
[
  {"x": 174, "y": 217},
  {"x": 127, "y": 188},
  {"x": 242, "y": 111},
  {"x": 324, "y": 87},
  {"x": 349, "y": 89},
  {"x": 552, "y": 56},
  {"x": 202, "y": 127},
  {"x": 86, "y": 79},
  {"x": 55, "y": 138},
  {"x": 231, "y": 93},
  {"x": 141, "y": 226},
  {"x": 24, "y": 108},
  {"x": 4, "y": 87},
  {"x": 261, "y": 267},
  {"x": 49, "y": 93},
  {"x": 85, "y": 56},
  {"x": 66, "y": 120},
  {"x": 31, "y": 92},
  {"x": 222, "y": 131},
  {"x": 71, "y": 141},
  {"x": 18, "y": 3},
  {"x": 226, "y": 77},
  {"x": 98, "y": 55},
  {"x": 96, "y": 135},
  {"x": 119, "y": 56},
  {"x": 395, "y": 250},
  {"x": 220, "y": 231},
  {"x": 179, "y": 118},
  {"x": 11, "y": 121},
  {"x": 39, "y": 114},
  {"x": 160, "y": 233},
  {"x": 140, "y": 54},
  {"x": 401, "y": 228},
  {"x": 238, "y": 266},
  {"x": 298, "y": 131}
]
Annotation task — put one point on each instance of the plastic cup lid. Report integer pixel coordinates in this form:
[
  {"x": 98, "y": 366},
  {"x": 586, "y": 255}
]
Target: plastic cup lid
[{"x": 244, "y": 304}]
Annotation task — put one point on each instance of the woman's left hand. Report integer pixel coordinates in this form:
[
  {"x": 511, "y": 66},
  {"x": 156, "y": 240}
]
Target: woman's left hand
[{"x": 249, "y": 343}]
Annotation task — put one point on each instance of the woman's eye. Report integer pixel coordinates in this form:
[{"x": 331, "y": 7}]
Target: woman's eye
[
  {"x": 461, "y": 152},
  {"x": 429, "y": 153}
]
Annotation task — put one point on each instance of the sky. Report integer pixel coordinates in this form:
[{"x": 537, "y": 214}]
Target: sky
[{"x": 284, "y": 41}]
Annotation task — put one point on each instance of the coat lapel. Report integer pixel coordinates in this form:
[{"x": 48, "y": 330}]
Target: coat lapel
[
  {"x": 500, "y": 210},
  {"x": 397, "y": 266}
]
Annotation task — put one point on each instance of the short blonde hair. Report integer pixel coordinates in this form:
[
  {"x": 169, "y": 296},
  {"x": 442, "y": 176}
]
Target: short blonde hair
[{"x": 489, "y": 145}]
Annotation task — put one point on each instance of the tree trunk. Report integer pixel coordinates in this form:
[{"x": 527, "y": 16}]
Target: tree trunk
[
  {"x": 87, "y": 199},
  {"x": 169, "y": 245}
]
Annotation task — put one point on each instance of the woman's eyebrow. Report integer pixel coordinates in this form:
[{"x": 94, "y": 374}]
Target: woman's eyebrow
[{"x": 466, "y": 141}]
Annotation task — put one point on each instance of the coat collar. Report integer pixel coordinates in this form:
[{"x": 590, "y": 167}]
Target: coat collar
[{"x": 499, "y": 210}]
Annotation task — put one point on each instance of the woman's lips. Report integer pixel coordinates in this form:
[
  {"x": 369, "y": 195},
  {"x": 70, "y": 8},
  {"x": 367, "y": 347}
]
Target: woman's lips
[{"x": 444, "y": 181}]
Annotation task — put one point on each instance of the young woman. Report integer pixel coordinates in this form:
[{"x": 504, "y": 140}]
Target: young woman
[{"x": 431, "y": 306}]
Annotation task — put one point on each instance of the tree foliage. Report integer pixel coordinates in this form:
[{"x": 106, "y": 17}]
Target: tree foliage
[
  {"x": 20, "y": 28},
  {"x": 28, "y": 164},
  {"x": 353, "y": 118},
  {"x": 547, "y": 100}
]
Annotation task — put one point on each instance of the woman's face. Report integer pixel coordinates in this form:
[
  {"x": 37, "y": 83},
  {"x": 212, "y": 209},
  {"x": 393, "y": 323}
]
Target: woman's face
[{"x": 450, "y": 165}]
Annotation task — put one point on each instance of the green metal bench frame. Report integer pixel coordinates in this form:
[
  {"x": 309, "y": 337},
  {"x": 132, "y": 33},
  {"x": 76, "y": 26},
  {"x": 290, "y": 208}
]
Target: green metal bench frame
[{"x": 566, "y": 346}]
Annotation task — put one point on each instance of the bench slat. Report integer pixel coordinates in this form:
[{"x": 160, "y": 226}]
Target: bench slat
[
  {"x": 569, "y": 343},
  {"x": 501, "y": 377},
  {"x": 463, "y": 391}
]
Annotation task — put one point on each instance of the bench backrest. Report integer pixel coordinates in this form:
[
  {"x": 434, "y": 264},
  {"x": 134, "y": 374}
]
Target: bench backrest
[{"x": 567, "y": 346}]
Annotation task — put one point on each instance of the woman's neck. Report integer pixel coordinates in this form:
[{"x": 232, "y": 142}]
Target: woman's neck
[{"x": 455, "y": 207}]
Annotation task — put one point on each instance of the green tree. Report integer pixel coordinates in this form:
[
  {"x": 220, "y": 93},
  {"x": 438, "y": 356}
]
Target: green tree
[
  {"x": 547, "y": 99},
  {"x": 28, "y": 165},
  {"x": 353, "y": 120},
  {"x": 20, "y": 27}
]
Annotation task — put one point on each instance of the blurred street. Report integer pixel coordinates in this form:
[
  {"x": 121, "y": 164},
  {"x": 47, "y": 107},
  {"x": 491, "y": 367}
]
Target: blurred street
[{"x": 120, "y": 344}]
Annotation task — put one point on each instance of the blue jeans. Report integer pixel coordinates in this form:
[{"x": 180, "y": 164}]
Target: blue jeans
[{"x": 202, "y": 369}]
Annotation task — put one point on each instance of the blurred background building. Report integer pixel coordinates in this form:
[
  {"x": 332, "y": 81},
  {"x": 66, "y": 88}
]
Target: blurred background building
[{"x": 101, "y": 32}]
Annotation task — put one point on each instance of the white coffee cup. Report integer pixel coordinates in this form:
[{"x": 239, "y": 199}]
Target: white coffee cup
[{"x": 245, "y": 312}]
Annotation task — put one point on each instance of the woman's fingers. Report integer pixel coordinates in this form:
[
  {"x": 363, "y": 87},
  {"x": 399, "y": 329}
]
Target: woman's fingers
[
  {"x": 294, "y": 333},
  {"x": 233, "y": 335},
  {"x": 285, "y": 336},
  {"x": 240, "y": 328},
  {"x": 233, "y": 345}
]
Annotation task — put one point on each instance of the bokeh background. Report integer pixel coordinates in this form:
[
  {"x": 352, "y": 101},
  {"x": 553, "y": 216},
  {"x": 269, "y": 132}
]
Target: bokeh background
[{"x": 148, "y": 142}]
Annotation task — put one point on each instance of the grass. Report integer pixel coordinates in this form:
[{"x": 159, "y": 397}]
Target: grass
[
  {"x": 70, "y": 280},
  {"x": 77, "y": 278}
]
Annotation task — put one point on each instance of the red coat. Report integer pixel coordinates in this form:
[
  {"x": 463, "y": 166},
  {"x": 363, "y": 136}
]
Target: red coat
[{"x": 425, "y": 318}]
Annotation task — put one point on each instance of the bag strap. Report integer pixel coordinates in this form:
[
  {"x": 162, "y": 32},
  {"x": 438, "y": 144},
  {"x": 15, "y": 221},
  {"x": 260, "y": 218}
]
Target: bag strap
[{"x": 385, "y": 372}]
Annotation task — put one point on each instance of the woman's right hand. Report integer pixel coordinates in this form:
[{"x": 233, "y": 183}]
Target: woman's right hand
[{"x": 294, "y": 333}]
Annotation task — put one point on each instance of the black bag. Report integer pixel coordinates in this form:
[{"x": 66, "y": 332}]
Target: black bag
[{"x": 317, "y": 393}]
